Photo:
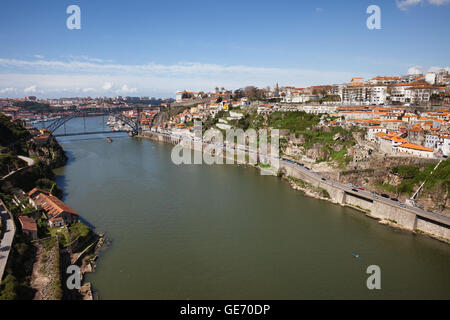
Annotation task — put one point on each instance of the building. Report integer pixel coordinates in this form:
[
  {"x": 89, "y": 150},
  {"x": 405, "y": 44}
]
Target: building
[
  {"x": 356, "y": 93},
  {"x": 445, "y": 146},
  {"x": 384, "y": 81},
  {"x": 377, "y": 95},
  {"x": 29, "y": 227},
  {"x": 414, "y": 150},
  {"x": 56, "y": 211},
  {"x": 20, "y": 198}
]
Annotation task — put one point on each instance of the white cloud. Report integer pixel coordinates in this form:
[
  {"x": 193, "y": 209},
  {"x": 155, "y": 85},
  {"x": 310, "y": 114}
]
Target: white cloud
[
  {"x": 7, "y": 90},
  {"x": 87, "y": 90},
  {"x": 125, "y": 89},
  {"x": 89, "y": 59},
  {"x": 38, "y": 56},
  {"x": 107, "y": 86},
  {"x": 405, "y": 4},
  {"x": 415, "y": 70},
  {"x": 319, "y": 9},
  {"x": 54, "y": 76},
  {"x": 31, "y": 89}
]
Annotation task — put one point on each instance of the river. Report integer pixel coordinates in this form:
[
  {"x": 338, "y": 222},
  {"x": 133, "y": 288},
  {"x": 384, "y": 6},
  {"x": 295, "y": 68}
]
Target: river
[{"x": 227, "y": 232}]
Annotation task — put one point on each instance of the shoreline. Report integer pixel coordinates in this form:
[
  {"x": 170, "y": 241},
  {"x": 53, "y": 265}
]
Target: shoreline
[
  {"x": 86, "y": 258},
  {"x": 312, "y": 194}
]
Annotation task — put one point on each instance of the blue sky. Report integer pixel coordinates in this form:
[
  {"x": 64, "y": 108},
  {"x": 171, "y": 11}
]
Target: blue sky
[{"x": 157, "y": 47}]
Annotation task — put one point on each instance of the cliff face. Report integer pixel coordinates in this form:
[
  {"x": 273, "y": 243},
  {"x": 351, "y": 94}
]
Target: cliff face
[
  {"x": 160, "y": 118},
  {"x": 51, "y": 153}
]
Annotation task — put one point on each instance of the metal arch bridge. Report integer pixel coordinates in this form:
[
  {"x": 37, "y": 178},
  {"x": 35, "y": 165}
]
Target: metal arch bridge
[{"x": 116, "y": 113}]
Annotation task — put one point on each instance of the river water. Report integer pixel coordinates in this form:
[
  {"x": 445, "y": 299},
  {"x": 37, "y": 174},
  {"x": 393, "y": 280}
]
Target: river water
[{"x": 226, "y": 232}]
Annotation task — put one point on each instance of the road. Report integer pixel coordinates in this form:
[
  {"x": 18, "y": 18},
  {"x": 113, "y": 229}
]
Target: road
[
  {"x": 375, "y": 197},
  {"x": 8, "y": 237},
  {"x": 29, "y": 162}
]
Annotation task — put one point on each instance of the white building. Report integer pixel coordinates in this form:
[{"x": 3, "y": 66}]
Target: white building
[
  {"x": 414, "y": 150},
  {"x": 430, "y": 77},
  {"x": 372, "y": 131},
  {"x": 445, "y": 146},
  {"x": 431, "y": 140},
  {"x": 378, "y": 95}
]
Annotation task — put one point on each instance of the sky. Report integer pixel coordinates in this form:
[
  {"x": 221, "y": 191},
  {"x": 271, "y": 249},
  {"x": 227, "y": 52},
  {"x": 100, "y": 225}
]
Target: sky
[{"x": 155, "y": 48}]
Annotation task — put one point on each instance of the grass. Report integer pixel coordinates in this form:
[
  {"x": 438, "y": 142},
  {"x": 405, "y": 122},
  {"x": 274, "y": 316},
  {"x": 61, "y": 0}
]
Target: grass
[
  {"x": 79, "y": 229},
  {"x": 413, "y": 175}
]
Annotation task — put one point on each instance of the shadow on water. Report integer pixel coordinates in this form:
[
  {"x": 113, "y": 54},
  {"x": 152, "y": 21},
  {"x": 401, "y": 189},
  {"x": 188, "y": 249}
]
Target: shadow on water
[
  {"x": 61, "y": 181},
  {"x": 70, "y": 157}
]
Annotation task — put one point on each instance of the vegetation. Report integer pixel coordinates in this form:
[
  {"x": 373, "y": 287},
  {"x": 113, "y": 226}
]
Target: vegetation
[
  {"x": 296, "y": 122},
  {"x": 50, "y": 186},
  {"x": 437, "y": 184},
  {"x": 16, "y": 284},
  {"x": 36, "y": 107},
  {"x": 8, "y": 289},
  {"x": 321, "y": 192},
  {"x": 79, "y": 229},
  {"x": 9, "y": 162},
  {"x": 11, "y": 131}
]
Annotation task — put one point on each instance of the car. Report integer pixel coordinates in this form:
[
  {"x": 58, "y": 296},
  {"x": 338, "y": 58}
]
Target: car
[
  {"x": 307, "y": 168},
  {"x": 402, "y": 205},
  {"x": 394, "y": 199},
  {"x": 360, "y": 188},
  {"x": 356, "y": 190},
  {"x": 385, "y": 196},
  {"x": 323, "y": 179}
]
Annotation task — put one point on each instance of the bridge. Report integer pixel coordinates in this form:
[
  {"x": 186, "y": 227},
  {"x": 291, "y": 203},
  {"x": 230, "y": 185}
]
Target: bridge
[{"x": 117, "y": 113}]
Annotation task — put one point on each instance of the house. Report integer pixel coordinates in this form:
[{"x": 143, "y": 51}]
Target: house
[
  {"x": 33, "y": 195},
  {"x": 29, "y": 227},
  {"x": 19, "y": 198},
  {"x": 56, "y": 211}
]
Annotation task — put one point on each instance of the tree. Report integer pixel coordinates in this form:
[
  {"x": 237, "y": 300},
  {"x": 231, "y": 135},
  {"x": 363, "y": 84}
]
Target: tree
[
  {"x": 238, "y": 94},
  {"x": 10, "y": 286}
]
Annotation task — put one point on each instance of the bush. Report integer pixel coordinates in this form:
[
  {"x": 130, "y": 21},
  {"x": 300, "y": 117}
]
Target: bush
[{"x": 9, "y": 288}]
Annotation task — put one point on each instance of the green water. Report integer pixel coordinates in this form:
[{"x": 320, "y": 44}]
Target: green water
[{"x": 226, "y": 232}]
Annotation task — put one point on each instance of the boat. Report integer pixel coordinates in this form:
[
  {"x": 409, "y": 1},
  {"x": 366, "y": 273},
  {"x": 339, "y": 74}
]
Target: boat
[
  {"x": 109, "y": 139},
  {"x": 356, "y": 256}
]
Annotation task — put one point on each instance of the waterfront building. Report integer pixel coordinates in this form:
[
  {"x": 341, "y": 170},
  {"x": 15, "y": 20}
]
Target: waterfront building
[{"x": 56, "y": 211}]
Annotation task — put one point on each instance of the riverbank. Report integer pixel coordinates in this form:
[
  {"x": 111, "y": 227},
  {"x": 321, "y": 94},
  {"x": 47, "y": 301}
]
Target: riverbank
[{"x": 390, "y": 215}]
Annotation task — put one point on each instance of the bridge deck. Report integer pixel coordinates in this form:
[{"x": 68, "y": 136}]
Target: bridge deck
[{"x": 84, "y": 133}]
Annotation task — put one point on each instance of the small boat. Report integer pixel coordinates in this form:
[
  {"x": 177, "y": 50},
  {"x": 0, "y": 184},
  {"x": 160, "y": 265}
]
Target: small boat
[
  {"x": 356, "y": 256},
  {"x": 109, "y": 139}
]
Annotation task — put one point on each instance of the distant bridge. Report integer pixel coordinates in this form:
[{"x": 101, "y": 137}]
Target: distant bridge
[{"x": 117, "y": 113}]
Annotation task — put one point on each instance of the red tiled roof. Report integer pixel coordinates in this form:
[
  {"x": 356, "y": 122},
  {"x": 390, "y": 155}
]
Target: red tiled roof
[
  {"x": 28, "y": 223},
  {"x": 53, "y": 206}
]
